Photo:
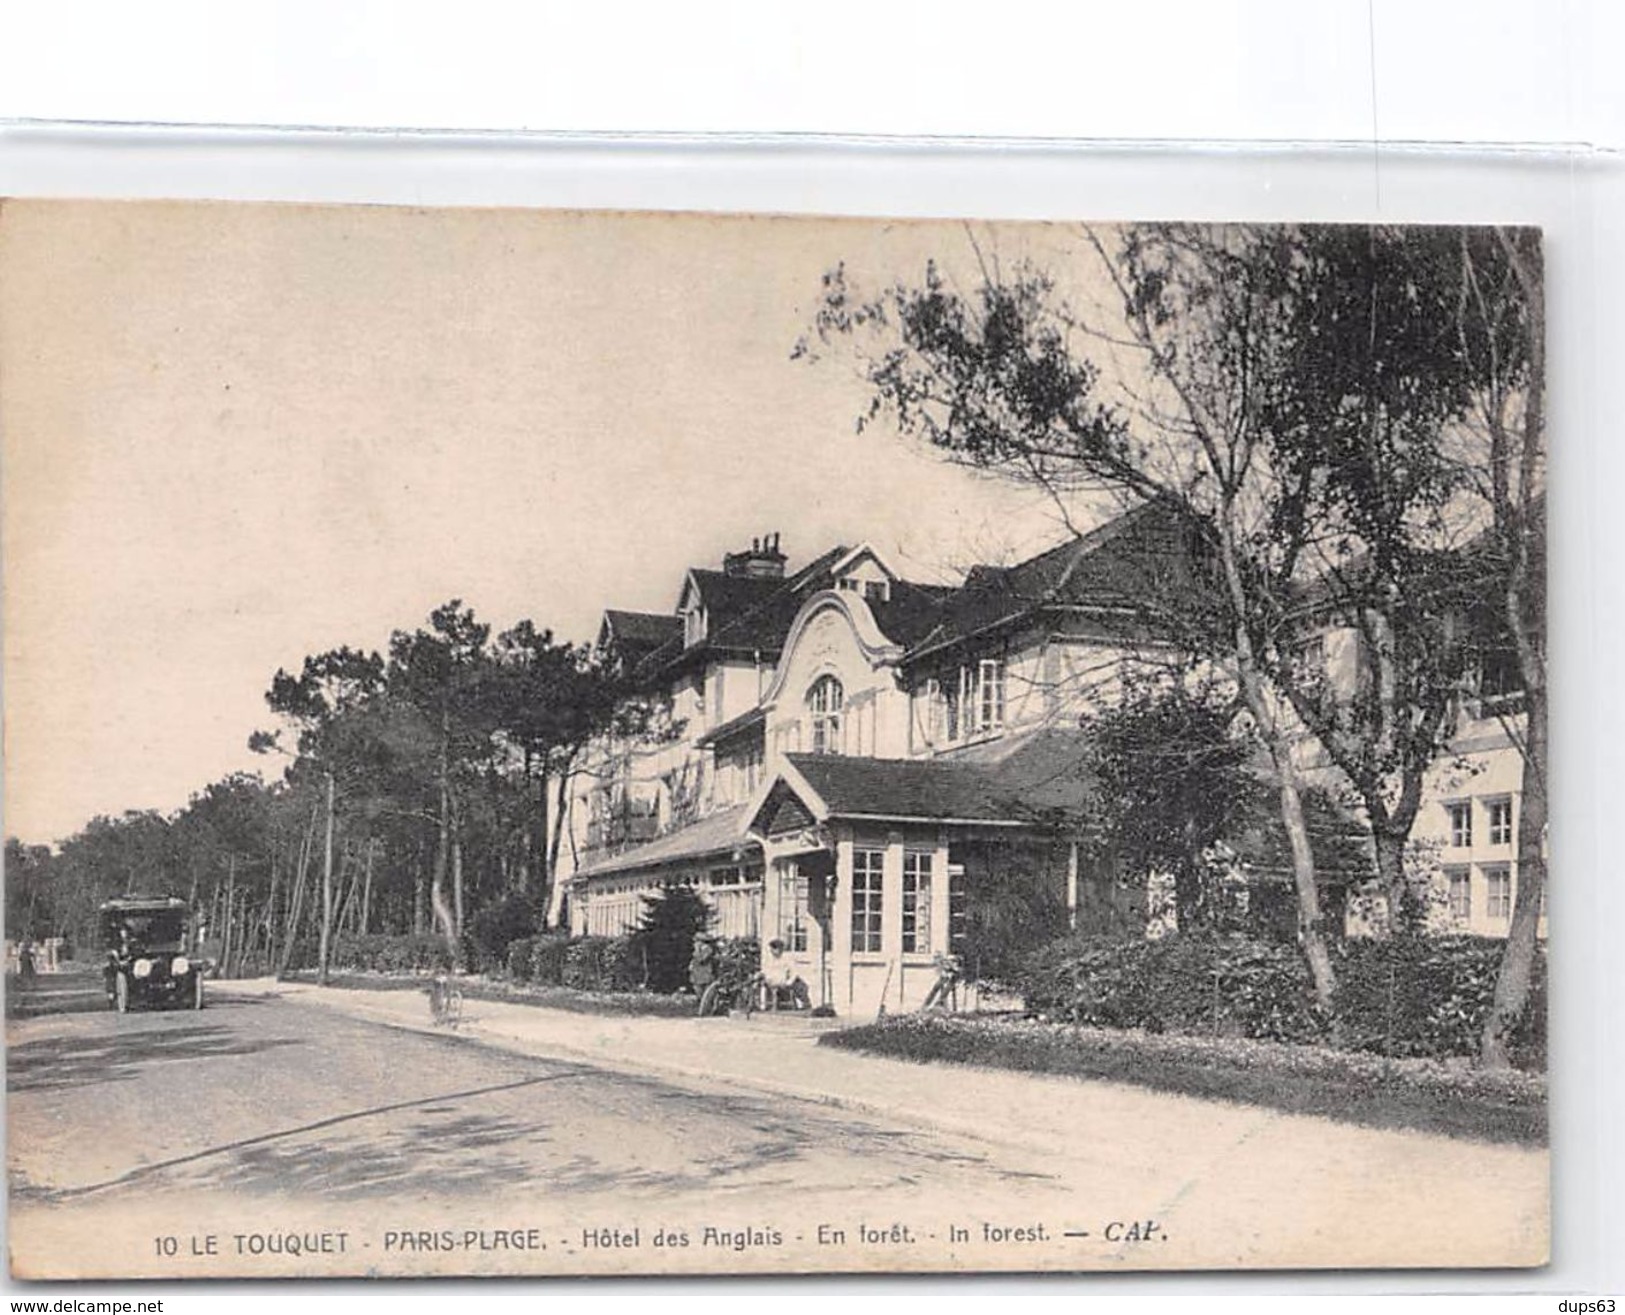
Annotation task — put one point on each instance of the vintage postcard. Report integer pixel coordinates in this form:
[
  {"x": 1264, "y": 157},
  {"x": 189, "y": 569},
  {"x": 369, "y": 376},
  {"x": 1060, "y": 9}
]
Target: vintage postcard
[{"x": 547, "y": 743}]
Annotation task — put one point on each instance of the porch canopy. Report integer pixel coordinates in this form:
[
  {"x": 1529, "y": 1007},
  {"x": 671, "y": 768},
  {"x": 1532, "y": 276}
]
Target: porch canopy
[
  {"x": 720, "y": 835},
  {"x": 1037, "y": 784}
]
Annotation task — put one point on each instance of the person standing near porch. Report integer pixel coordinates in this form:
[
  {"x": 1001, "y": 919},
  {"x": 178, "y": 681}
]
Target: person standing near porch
[{"x": 702, "y": 973}]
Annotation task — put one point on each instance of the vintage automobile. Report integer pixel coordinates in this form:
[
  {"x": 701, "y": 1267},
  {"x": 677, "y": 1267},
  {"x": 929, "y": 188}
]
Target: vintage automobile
[{"x": 147, "y": 939}]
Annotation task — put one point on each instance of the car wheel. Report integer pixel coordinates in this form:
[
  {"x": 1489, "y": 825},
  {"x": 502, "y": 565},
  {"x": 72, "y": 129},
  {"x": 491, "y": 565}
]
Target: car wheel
[
  {"x": 121, "y": 993},
  {"x": 197, "y": 991}
]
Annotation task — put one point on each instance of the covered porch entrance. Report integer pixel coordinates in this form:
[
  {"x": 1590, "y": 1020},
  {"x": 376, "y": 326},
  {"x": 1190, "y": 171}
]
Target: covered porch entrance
[{"x": 869, "y": 864}]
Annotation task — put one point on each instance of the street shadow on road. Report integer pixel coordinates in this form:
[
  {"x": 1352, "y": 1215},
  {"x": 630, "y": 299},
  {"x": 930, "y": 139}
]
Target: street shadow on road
[
  {"x": 76, "y": 1061},
  {"x": 83, "y": 993},
  {"x": 64, "y": 995},
  {"x": 447, "y": 1147}
]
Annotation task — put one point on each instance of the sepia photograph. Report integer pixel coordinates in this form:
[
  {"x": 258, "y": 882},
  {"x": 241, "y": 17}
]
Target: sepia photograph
[{"x": 551, "y": 743}]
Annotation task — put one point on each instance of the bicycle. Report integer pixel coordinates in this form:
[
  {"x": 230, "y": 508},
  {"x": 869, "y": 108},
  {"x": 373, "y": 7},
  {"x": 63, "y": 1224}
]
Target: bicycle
[
  {"x": 445, "y": 1001},
  {"x": 755, "y": 994},
  {"x": 944, "y": 992}
]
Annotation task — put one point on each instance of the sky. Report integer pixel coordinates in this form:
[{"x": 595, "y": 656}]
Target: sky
[{"x": 236, "y": 434}]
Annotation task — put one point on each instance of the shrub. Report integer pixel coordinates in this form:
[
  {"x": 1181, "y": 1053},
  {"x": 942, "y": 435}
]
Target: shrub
[
  {"x": 1224, "y": 985},
  {"x": 380, "y": 953},
  {"x": 603, "y": 963},
  {"x": 738, "y": 961},
  {"x": 547, "y": 956},
  {"x": 672, "y": 918},
  {"x": 1420, "y": 997},
  {"x": 1012, "y": 908},
  {"x": 1410, "y": 996},
  {"x": 494, "y": 928},
  {"x": 520, "y": 958}
]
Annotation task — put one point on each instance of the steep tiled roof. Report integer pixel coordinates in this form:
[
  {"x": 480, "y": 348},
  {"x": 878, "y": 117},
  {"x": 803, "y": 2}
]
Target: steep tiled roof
[
  {"x": 727, "y": 595},
  {"x": 748, "y": 615},
  {"x": 642, "y": 629},
  {"x": 1037, "y": 780},
  {"x": 721, "y": 833},
  {"x": 1136, "y": 563},
  {"x": 912, "y": 612}
]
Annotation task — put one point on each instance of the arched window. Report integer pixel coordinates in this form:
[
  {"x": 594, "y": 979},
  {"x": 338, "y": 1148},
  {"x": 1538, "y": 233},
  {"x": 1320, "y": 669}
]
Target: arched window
[{"x": 824, "y": 702}]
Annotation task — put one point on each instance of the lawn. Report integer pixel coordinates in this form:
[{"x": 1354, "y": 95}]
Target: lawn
[{"x": 1451, "y": 1098}]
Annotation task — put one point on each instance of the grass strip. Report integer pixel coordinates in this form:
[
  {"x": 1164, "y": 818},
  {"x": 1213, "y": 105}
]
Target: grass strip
[{"x": 1420, "y": 1095}]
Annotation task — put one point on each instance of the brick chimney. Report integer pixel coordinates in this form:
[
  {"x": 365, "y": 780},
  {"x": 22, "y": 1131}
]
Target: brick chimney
[{"x": 761, "y": 561}]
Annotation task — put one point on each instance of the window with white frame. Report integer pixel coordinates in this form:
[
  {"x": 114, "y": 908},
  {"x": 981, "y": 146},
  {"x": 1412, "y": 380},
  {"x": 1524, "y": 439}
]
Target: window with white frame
[
  {"x": 989, "y": 695},
  {"x": 867, "y": 876},
  {"x": 793, "y": 908},
  {"x": 1461, "y": 893},
  {"x": 966, "y": 703},
  {"x": 1498, "y": 892},
  {"x": 916, "y": 908},
  {"x": 951, "y": 720},
  {"x": 1500, "y": 821},
  {"x": 1461, "y": 824},
  {"x": 824, "y": 703}
]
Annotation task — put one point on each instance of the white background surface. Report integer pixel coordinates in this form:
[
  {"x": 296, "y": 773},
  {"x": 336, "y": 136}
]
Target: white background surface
[
  {"x": 1543, "y": 71},
  {"x": 1367, "y": 76}
]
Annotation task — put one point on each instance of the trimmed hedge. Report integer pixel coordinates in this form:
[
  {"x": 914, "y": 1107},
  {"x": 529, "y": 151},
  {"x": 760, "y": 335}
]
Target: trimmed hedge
[
  {"x": 603, "y": 963},
  {"x": 1228, "y": 986},
  {"x": 379, "y": 953},
  {"x": 547, "y": 955},
  {"x": 541, "y": 959},
  {"x": 1398, "y": 997}
]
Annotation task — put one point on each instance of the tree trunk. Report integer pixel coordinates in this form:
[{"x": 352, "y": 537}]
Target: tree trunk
[
  {"x": 270, "y": 915},
  {"x": 231, "y": 886},
  {"x": 1311, "y": 932},
  {"x": 420, "y": 894},
  {"x": 457, "y": 894},
  {"x": 561, "y": 820},
  {"x": 1513, "y": 983},
  {"x": 1388, "y": 851},
  {"x": 1516, "y": 977},
  {"x": 366, "y": 892},
  {"x": 442, "y": 852},
  {"x": 325, "y": 937},
  {"x": 296, "y": 902}
]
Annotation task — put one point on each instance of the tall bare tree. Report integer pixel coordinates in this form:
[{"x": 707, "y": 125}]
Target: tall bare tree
[{"x": 1502, "y": 325}]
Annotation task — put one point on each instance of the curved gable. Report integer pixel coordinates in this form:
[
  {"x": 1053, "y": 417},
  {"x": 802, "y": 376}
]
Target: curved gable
[{"x": 833, "y": 633}]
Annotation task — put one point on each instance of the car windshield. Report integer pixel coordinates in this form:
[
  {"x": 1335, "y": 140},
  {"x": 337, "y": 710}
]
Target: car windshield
[{"x": 162, "y": 930}]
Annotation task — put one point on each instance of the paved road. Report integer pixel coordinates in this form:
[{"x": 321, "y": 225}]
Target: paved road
[{"x": 258, "y": 1114}]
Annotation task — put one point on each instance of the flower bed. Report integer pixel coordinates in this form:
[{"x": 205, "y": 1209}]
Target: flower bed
[{"x": 1427, "y": 1095}]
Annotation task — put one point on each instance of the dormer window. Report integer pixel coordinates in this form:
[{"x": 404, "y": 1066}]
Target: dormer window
[
  {"x": 862, "y": 572},
  {"x": 693, "y": 626},
  {"x": 825, "y": 701}
]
